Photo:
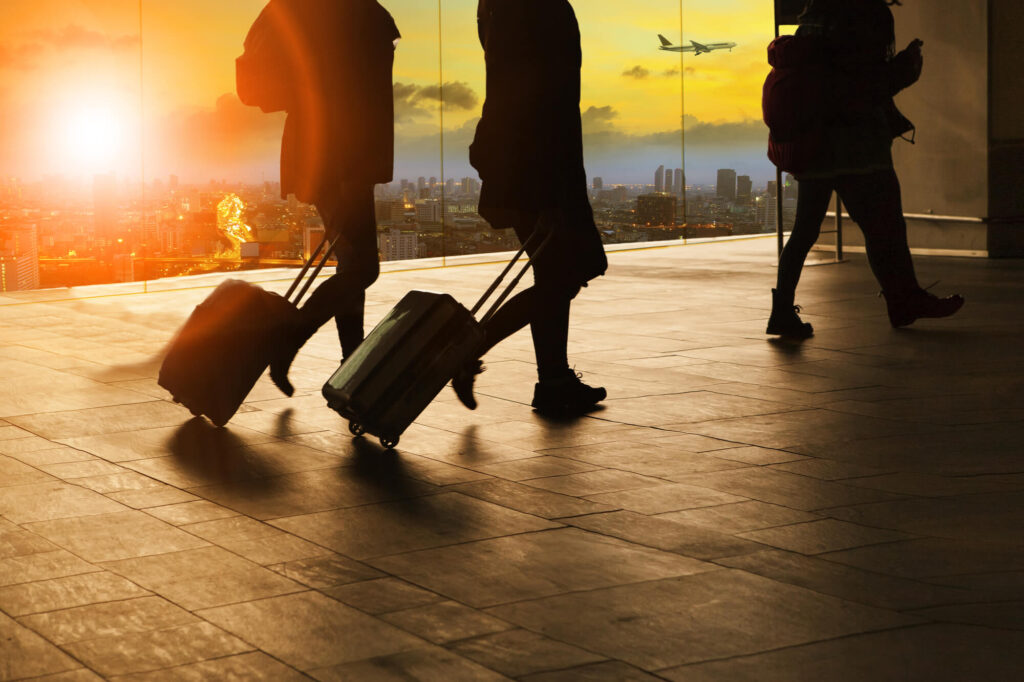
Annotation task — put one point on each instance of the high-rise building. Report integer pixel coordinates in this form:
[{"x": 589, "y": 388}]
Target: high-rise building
[
  {"x": 428, "y": 212},
  {"x": 470, "y": 186},
  {"x": 659, "y": 179},
  {"x": 598, "y": 184},
  {"x": 655, "y": 209},
  {"x": 19, "y": 258},
  {"x": 396, "y": 244},
  {"x": 726, "y": 185},
  {"x": 679, "y": 184},
  {"x": 449, "y": 187},
  {"x": 104, "y": 208},
  {"x": 744, "y": 187}
]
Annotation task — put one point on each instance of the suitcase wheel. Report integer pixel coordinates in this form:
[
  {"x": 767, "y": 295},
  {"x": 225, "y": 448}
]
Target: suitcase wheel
[
  {"x": 356, "y": 429},
  {"x": 388, "y": 443}
]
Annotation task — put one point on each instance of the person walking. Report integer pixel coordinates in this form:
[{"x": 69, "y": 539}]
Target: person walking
[
  {"x": 338, "y": 143},
  {"x": 528, "y": 150},
  {"x": 828, "y": 103}
]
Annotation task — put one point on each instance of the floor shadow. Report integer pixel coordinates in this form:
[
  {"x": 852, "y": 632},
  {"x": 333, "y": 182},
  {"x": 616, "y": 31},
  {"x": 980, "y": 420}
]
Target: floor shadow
[
  {"x": 282, "y": 426},
  {"x": 217, "y": 455},
  {"x": 384, "y": 471},
  {"x": 786, "y": 346}
]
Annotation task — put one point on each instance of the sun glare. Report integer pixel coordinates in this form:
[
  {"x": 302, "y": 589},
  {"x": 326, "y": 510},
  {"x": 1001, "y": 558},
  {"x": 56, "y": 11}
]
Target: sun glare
[{"x": 93, "y": 135}]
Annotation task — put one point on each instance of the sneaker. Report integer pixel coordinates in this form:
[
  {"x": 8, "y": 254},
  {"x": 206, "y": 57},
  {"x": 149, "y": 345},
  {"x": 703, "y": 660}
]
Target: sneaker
[
  {"x": 463, "y": 381},
  {"x": 566, "y": 396},
  {"x": 906, "y": 309}
]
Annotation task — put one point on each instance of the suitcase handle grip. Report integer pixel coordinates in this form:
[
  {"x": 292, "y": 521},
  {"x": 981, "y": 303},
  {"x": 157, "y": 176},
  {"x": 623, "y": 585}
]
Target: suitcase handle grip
[{"x": 540, "y": 230}]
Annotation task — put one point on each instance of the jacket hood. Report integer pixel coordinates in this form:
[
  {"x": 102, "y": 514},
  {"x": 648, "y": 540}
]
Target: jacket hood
[{"x": 788, "y": 51}]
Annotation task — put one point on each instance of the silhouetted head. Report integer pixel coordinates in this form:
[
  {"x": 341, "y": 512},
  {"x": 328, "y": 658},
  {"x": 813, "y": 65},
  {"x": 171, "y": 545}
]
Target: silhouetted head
[{"x": 863, "y": 27}]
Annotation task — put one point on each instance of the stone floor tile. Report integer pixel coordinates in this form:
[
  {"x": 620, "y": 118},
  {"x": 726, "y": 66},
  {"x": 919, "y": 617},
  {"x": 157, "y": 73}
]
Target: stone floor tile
[
  {"x": 682, "y": 408},
  {"x": 693, "y": 541},
  {"x": 852, "y": 584},
  {"x": 534, "y": 565},
  {"x": 153, "y": 650},
  {"x": 787, "y": 490},
  {"x": 81, "y": 469},
  {"x": 97, "y": 420},
  {"x": 204, "y": 577},
  {"x": 323, "y": 632},
  {"x": 609, "y": 671},
  {"x": 144, "y": 498},
  {"x": 428, "y": 663},
  {"x": 382, "y": 595},
  {"x": 109, "y": 620},
  {"x": 593, "y": 483},
  {"x": 648, "y": 458},
  {"x": 277, "y": 549},
  {"x": 1002, "y": 615},
  {"x": 740, "y": 516},
  {"x": 1006, "y": 585},
  {"x": 8, "y": 432},
  {"x": 690, "y": 442},
  {"x": 530, "y": 500},
  {"x": 24, "y": 568},
  {"x": 666, "y": 623},
  {"x": 534, "y": 467},
  {"x": 14, "y": 473},
  {"x": 931, "y": 485},
  {"x": 138, "y": 534},
  {"x": 829, "y": 470},
  {"x": 248, "y": 666},
  {"x": 79, "y": 675},
  {"x": 410, "y": 525},
  {"x": 517, "y": 653},
  {"x": 190, "y": 512},
  {"x": 446, "y": 622},
  {"x": 825, "y": 535},
  {"x": 933, "y": 557},
  {"x": 666, "y": 498},
  {"x": 123, "y": 481},
  {"x": 52, "y": 455},
  {"x": 52, "y": 500},
  {"x": 312, "y": 491},
  {"x": 18, "y": 446},
  {"x": 62, "y": 593},
  {"x": 15, "y": 542},
  {"x": 758, "y": 456},
  {"x": 25, "y": 654},
  {"x": 322, "y": 572},
  {"x": 937, "y": 653}
]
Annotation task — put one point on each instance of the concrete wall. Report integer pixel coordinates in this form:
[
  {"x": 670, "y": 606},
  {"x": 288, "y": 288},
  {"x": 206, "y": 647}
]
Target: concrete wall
[{"x": 1006, "y": 167}]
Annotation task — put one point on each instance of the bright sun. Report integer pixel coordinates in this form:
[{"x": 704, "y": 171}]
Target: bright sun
[{"x": 93, "y": 136}]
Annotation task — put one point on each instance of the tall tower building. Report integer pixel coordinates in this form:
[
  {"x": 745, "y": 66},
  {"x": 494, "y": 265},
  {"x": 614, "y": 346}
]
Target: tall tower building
[
  {"x": 659, "y": 179},
  {"x": 744, "y": 188},
  {"x": 19, "y": 258},
  {"x": 598, "y": 184},
  {"x": 726, "y": 185},
  {"x": 679, "y": 185}
]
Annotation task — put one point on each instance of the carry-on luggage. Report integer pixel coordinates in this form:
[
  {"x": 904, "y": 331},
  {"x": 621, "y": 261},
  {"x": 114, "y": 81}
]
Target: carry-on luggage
[
  {"x": 409, "y": 357},
  {"x": 228, "y": 341}
]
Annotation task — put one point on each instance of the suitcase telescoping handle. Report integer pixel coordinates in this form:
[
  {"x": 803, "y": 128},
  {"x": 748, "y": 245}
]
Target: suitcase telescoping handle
[
  {"x": 329, "y": 243},
  {"x": 544, "y": 233}
]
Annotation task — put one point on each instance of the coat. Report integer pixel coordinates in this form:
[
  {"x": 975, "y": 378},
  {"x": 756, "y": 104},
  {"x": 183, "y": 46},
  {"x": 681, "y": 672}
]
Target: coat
[
  {"x": 528, "y": 147},
  {"x": 340, "y": 125}
]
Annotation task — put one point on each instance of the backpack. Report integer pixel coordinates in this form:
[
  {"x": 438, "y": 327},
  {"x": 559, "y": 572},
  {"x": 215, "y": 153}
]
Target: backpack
[
  {"x": 795, "y": 104},
  {"x": 262, "y": 75}
]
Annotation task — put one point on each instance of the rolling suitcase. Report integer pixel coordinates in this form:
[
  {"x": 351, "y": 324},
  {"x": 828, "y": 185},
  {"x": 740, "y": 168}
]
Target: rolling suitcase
[
  {"x": 228, "y": 341},
  {"x": 409, "y": 357}
]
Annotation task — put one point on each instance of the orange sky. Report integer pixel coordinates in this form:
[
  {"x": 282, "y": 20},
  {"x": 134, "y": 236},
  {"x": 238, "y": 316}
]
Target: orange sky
[{"x": 63, "y": 61}]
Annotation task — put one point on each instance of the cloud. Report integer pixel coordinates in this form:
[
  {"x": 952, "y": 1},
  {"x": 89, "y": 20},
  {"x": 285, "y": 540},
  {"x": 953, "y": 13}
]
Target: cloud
[
  {"x": 420, "y": 101},
  {"x": 638, "y": 72},
  {"x": 598, "y": 119},
  {"x": 73, "y": 37},
  {"x": 673, "y": 72}
]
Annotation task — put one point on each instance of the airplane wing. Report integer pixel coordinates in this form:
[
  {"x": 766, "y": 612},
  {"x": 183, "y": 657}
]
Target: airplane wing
[
  {"x": 697, "y": 46},
  {"x": 665, "y": 42}
]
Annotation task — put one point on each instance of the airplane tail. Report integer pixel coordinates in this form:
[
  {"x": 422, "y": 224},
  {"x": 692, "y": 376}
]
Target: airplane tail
[{"x": 665, "y": 42}]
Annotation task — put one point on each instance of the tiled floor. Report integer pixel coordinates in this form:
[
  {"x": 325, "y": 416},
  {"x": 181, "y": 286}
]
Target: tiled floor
[{"x": 849, "y": 508}]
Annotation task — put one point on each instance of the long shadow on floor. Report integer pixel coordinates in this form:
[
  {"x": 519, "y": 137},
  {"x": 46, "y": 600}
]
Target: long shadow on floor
[{"x": 216, "y": 455}]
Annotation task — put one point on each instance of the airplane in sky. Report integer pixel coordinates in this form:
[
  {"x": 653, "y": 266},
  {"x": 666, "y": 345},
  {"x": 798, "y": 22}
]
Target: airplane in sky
[{"x": 694, "y": 47}]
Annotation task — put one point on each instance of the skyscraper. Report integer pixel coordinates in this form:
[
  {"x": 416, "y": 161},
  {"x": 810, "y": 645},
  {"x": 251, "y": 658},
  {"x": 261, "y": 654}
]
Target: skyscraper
[
  {"x": 598, "y": 184},
  {"x": 726, "y": 185},
  {"x": 19, "y": 258},
  {"x": 678, "y": 185},
  {"x": 659, "y": 179},
  {"x": 744, "y": 187}
]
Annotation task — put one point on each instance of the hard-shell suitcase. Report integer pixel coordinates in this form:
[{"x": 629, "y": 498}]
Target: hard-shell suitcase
[
  {"x": 409, "y": 357},
  {"x": 227, "y": 342}
]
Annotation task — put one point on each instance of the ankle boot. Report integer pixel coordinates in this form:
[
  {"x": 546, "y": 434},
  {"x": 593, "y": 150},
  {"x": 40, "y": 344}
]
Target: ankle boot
[
  {"x": 784, "y": 320},
  {"x": 905, "y": 308}
]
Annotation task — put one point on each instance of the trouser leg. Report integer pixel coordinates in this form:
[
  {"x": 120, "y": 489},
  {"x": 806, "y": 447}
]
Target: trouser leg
[
  {"x": 875, "y": 204},
  {"x": 812, "y": 204},
  {"x": 342, "y": 296}
]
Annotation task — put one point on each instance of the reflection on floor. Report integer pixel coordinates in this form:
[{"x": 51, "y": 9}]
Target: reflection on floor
[{"x": 741, "y": 509}]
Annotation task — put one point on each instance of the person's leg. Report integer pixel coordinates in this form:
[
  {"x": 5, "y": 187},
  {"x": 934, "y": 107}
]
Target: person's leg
[
  {"x": 876, "y": 205},
  {"x": 812, "y": 204},
  {"x": 349, "y": 213}
]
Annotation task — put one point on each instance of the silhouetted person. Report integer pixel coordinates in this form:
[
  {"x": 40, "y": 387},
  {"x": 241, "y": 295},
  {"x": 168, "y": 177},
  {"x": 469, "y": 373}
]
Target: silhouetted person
[
  {"x": 828, "y": 103},
  {"x": 529, "y": 152},
  {"x": 338, "y": 142}
]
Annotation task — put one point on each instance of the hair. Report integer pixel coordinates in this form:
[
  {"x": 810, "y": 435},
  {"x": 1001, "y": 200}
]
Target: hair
[{"x": 864, "y": 26}]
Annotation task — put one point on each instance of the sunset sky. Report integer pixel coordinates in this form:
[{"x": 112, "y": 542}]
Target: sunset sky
[{"x": 70, "y": 89}]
